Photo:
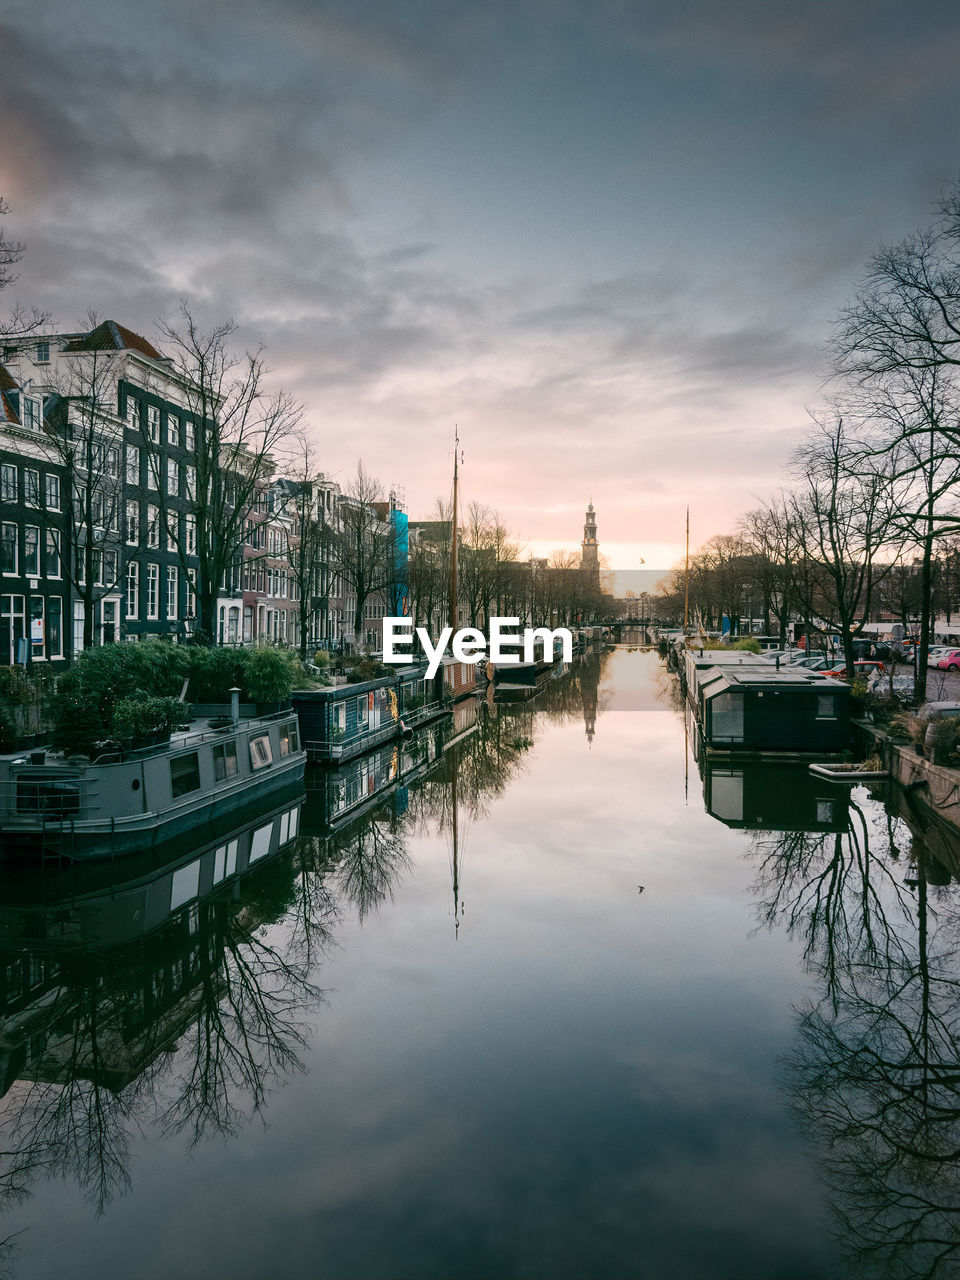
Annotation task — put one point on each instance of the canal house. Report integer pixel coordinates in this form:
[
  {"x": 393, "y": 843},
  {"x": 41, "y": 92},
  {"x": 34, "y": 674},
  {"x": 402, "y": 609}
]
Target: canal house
[{"x": 754, "y": 710}]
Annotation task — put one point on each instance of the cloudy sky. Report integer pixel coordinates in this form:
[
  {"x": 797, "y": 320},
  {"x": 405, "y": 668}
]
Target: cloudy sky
[{"x": 606, "y": 238}]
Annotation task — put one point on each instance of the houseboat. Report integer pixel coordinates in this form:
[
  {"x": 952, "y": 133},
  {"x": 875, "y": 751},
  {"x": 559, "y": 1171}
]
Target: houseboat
[
  {"x": 123, "y": 802},
  {"x": 349, "y": 719},
  {"x": 749, "y": 709},
  {"x": 695, "y": 664}
]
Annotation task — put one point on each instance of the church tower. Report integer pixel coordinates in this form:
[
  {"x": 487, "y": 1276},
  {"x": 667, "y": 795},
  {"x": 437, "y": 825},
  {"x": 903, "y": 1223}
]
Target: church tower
[{"x": 590, "y": 551}]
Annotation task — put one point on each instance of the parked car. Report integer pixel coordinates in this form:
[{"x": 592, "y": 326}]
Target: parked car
[
  {"x": 949, "y": 661},
  {"x": 939, "y": 710},
  {"x": 815, "y": 662}
]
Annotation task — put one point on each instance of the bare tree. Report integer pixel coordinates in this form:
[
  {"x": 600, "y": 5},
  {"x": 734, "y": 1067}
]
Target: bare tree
[
  {"x": 20, "y": 321},
  {"x": 241, "y": 429},
  {"x": 841, "y": 516},
  {"x": 365, "y": 546}
]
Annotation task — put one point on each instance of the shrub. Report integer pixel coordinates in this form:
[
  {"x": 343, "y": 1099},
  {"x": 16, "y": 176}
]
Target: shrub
[
  {"x": 214, "y": 672},
  {"x": 367, "y": 669},
  {"x": 748, "y": 644},
  {"x": 270, "y": 673},
  {"x": 143, "y": 717}
]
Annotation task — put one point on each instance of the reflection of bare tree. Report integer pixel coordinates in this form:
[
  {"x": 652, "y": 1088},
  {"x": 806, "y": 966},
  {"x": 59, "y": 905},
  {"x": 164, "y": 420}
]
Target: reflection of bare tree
[
  {"x": 372, "y": 856},
  {"x": 832, "y": 893},
  {"x": 196, "y": 1023},
  {"x": 246, "y": 1036},
  {"x": 875, "y": 1075}
]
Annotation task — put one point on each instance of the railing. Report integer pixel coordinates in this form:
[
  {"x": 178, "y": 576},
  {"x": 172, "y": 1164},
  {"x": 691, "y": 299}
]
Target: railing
[{"x": 332, "y": 748}]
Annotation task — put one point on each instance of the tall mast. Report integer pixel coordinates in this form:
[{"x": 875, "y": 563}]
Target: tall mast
[
  {"x": 686, "y": 578},
  {"x": 454, "y": 586}
]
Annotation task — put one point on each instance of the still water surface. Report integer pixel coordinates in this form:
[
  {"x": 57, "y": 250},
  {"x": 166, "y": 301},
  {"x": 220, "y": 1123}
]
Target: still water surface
[{"x": 535, "y": 1013}]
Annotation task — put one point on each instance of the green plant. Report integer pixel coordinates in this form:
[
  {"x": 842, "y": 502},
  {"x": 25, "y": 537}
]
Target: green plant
[
  {"x": 214, "y": 672},
  {"x": 905, "y": 724},
  {"x": 145, "y": 716},
  {"x": 321, "y": 658},
  {"x": 367, "y": 669},
  {"x": 269, "y": 673},
  {"x": 748, "y": 644}
]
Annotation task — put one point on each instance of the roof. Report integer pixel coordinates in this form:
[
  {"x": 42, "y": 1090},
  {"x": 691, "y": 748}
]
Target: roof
[
  {"x": 8, "y": 383},
  {"x": 753, "y": 678},
  {"x": 110, "y": 336}
]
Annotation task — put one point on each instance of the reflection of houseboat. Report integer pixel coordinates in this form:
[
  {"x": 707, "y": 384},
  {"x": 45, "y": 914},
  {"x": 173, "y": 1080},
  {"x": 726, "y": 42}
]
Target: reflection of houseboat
[
  {"x": 765, "y": 796},
  {"x": 125, "y": 801},
  {"x": 349, "y": 719},
  {"x": 337, "y": 795},
  {"x": 127, "y": 961},
  {"x": 754, "y": 710}
]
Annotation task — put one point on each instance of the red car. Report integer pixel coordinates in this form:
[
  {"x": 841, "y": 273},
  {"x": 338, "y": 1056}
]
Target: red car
[{"x": 949, "y": 661}]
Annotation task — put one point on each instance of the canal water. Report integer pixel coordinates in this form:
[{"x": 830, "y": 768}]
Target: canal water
[{"x": 547, "y": 1001}]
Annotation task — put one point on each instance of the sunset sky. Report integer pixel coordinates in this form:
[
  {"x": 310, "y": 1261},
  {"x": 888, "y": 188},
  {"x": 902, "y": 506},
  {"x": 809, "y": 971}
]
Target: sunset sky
[{"x": 606, "y": 239}]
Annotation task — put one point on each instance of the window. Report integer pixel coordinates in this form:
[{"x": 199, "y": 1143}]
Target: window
[
  {"x": 8, "y": 548},
  {"x": 173, "y": 477},
  {"x": 38, "y": 634},
  {"x": 133, "y": 464},
  {"x": 133, "y": 412},
  {"x": 133, "y": 590},
  {"x": 153, "y": 591},
  {"x": 32, "y": 416},
  {"x": 51, "y": 553},
  {"x": 31, "y": 551},
  {"x": 190, "y": 528},
  {"x": 261, "y": 753},
  {"x": 190, "y": 435},
  {"x": 110, "y": 567},
  {"x": 52, "y": 485},
  {"x": 225, "y": 760},
  {"x": 31, "y": 487},
  {"x": 43, "y": 351},
  {"x": 153, "y": 526},
  {"x": 184, "y": 774},
  {"x": 133, "y": 522},
  {"x": 153, "y": 423},
  {"x": 191, "y": 592},
  {"x": 173, "y": 590},
  {"x": 112, "y": 462},
  {"x": 55, "y": 627},
  {"x": 288, "y": 740},
  {"x": 8, "y": 482},
  {"x": 826, "y": 706},
  {"x": 362, "y": 710},
  {"x": 173, "y": 431},
  {"x": 173, "y": 532},
  {"x": 190, "y": 487}
]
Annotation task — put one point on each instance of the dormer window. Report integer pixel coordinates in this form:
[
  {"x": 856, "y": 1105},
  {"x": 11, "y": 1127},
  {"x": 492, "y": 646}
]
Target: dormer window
[
  {"x": 43, "y": 351},
  {"x": 32, "y": 416}
]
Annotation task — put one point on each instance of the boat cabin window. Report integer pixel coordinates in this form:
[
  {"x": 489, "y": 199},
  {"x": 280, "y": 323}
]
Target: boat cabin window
[
  {"x": 184, "y": 774},
  {"x": 224, "y": 760},
  {"x": 728, "y": 717},
  {"x": 826, "y": 706},
  {"x": 362, "y": 710},
  {"x": 261, "y": 753},
  {"x": 340, "y": 716},
  {"x": 288, "y": 739}
]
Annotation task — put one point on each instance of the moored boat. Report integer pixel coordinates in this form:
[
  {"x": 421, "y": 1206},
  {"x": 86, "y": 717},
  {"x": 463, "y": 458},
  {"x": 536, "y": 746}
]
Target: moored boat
[{"x": 122, "y": 802}]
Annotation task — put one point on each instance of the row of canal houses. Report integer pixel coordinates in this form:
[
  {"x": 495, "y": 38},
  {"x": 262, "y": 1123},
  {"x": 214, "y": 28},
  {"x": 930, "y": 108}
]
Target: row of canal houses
[{"x": 99, "y": 438}]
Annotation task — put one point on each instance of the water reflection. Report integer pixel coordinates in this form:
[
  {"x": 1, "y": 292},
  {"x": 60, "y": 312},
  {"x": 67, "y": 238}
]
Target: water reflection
[
  {"x": 874, "y": 1074},
  {"x": 179, "y": 993}
]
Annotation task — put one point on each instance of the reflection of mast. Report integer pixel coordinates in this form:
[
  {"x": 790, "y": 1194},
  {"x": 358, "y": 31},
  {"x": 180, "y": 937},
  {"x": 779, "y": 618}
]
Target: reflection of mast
[
  {"x": 686, "y": 578},
  {"x": 456, "y": 850}
]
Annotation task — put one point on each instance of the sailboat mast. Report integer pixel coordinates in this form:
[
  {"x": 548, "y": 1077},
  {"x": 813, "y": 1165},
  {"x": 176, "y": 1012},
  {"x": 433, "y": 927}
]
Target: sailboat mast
[
  {"x": 454, "y": 585},
  {"x": 686, "y": 578}
]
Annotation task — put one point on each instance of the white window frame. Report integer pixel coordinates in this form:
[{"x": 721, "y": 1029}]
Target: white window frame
[{"x": 153, "y": 592}]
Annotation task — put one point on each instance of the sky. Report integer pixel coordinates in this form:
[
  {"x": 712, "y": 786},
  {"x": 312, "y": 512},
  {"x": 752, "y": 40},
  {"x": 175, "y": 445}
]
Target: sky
[{"x": 606, "y": 241}]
